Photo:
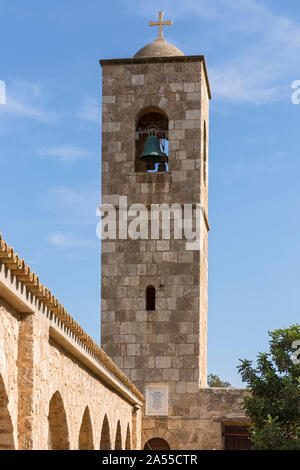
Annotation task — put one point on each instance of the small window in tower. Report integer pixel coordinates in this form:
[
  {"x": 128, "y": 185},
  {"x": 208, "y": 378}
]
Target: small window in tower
[{"x": 150, "y": 298}]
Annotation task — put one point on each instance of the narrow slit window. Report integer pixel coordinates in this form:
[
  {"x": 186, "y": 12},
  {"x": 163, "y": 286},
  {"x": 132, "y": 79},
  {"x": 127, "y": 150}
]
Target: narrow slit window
[{"x": 150, "y": 298}]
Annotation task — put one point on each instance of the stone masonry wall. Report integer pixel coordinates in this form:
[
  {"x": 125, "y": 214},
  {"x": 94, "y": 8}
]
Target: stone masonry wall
[
  {"x": 167, "y": 345},
  {"x": 9, "y": 330},
  {"x": 215, "y": 408},
  {"x": 48, "y": 397},
  {"x": 56, "y": 370}
]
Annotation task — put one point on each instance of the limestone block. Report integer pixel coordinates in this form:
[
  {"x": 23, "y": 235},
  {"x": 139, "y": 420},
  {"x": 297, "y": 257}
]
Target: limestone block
[
  {"x": 108, "y": 99},
  {"x": 189, "y": 87},
  {"x": 194, "y": 96},
  {"x": 163, "y": 362},
  {"x": 186, "y": 349},
  {"x": 108, "y": 247},
  {"x": 133, "y": 349},
  {"x": 170, "y": 374},
  {"x": 111, "y": 127},
  {"x": 193, "y": 114},
  {"x": 192, "y": 387},
  {"x": 176, "y": 87},
  {"x": 137, "y": 79}
]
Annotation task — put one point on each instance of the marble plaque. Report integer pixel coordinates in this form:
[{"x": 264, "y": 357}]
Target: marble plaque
[{"x": 157, "y": 400}]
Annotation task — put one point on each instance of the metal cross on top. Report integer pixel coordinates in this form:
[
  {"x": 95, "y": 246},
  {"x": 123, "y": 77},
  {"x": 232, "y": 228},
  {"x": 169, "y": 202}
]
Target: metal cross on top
[{"x": 160, "y": 23}]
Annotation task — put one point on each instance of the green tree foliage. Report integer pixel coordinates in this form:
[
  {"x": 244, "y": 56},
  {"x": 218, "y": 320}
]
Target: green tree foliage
[
  {"x": 215, "y": 381},
  {"x": 274, "y": 404}
]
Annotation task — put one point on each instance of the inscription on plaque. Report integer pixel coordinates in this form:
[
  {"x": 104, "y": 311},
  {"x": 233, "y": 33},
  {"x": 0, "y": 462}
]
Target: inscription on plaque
[{"x": 157, "y": 400}]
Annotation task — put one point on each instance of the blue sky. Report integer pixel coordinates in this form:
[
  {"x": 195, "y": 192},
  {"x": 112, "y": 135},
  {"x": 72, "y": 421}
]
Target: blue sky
[{"x": 50, "y": 152}]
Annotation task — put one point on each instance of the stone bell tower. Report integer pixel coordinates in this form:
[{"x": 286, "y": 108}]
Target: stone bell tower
[{"x": 154, "y": 292}]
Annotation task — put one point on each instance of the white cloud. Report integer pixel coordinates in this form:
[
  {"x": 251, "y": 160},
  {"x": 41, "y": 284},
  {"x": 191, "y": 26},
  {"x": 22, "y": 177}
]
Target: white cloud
[
  {"x": 73, "y": 206},
  {"x": 90, "y": 110},
  {"x": 67, "y": 154},
  {"x": 242, "y": 167},
  {"x": 26, "y": 100},
  {"x": 68, "y": 241},
  {"x": 261, "y": 61},
  {"x": 233, "y": 13},
  {"x": 243, "y": 84}
]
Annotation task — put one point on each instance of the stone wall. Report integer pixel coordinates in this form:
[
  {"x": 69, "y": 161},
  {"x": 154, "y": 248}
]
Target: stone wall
[
  {"x": 56, "y": 392},
  {"x": 214, "y": 408},
  {"x": 167, "y": 345},
  {"x": 56, "y": 370},
  {"x": 218, "y": 407},
  {"x": 9, "y": 332}
]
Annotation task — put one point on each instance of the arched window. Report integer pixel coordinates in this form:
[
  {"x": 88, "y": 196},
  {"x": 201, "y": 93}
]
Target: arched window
[
  {"x": 150, "y": 298},
  {"x": 151, "y": 121}
]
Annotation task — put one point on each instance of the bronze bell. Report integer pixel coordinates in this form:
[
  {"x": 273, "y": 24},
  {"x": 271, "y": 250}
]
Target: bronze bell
[{"x": 152, "y": 152}]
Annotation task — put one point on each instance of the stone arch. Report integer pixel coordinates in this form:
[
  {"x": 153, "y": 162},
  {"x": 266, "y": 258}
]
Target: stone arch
[
  {"x": 85, "y": 441},
  {"x": 128, "y": 439},
  {"x": 161, "y": 433},
  {"x": 118, "y": 439},
  {"x": 105, "y": 442},
  {"x": 58, "y": 427},
  {"x": 6, "y": 427},
  {"x": 150, "y": 109},
  {"x": 157, "y": 443}
]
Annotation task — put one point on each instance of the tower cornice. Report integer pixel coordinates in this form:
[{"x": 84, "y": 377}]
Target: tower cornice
[{"x": 155, "y": 60}]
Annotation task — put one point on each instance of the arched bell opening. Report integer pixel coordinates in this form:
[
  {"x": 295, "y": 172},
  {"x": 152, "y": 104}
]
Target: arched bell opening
[{"x": 151, "y": 141}]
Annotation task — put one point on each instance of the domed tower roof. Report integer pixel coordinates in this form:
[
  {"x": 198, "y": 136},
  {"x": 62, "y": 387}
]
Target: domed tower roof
[{"x": 160, "y": 47}]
